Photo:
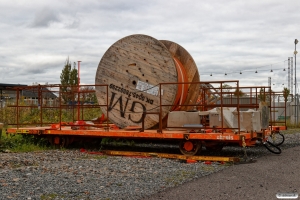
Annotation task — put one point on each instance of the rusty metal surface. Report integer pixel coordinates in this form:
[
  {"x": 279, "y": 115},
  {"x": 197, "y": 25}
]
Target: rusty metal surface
[
  {"x": 48, "y": 116},
  {"x": 136, "y": 134},
  {"x": 172, "y": 156},
  {"x": 44, "y": 105}
]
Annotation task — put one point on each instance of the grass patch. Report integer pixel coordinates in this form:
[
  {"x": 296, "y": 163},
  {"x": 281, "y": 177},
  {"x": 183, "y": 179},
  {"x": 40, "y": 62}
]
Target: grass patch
[
  {"x": 207, "y": 168},
  {"x": 291, "y": 130},
  {"x": 23, "y": 143},
  {"x": 51, "y": 196},
  {"x": 291, "y": 125},
  {"x": 179, "y": 177}
]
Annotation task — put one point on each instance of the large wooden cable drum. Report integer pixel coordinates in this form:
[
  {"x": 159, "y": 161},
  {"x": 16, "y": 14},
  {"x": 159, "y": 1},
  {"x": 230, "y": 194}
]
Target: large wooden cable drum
[{"x": 133, "y": 67}]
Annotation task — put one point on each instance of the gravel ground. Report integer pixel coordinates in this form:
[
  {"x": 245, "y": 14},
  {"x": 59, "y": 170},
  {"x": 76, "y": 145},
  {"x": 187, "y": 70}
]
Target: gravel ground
[
  {"x": 273, "y": 176},
  {"x": 71, "y": 174}
]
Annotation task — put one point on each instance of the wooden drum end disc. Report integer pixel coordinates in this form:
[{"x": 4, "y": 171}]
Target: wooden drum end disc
[{"x": 133, "y": 67}]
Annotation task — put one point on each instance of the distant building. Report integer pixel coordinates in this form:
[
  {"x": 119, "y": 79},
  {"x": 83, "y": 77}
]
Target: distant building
[
  {"x": 7, "y": 92},
  {"x": 30, "y": 95}
]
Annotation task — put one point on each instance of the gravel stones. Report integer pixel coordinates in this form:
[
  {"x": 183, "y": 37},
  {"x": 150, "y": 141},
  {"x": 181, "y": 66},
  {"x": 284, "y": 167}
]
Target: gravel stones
[
  {"x": 74, "y": 175},
  {"x": 71, "y": 174}
]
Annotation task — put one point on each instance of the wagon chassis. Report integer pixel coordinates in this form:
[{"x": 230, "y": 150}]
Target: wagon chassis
[{"x": 190, "y": 138}]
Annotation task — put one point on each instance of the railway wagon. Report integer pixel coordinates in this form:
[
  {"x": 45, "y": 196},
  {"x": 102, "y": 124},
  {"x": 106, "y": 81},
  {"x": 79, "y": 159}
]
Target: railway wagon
[{"x": 151, "y": 89}]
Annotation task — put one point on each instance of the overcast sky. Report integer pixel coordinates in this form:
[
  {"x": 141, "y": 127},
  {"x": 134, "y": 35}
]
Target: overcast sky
[{"x": 222, "y": 36}]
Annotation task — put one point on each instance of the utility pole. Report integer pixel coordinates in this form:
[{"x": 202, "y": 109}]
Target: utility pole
[
  {"x": 78, "y": 90},
  {"x": 296, "y": 95},
  {"x": 289, "y": 75}
]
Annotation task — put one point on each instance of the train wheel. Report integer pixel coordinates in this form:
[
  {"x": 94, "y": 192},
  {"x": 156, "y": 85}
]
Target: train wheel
[
  {"x": 59, "y": 141},
  {"x": 189, "y": 147},
  {"x": 64, "y": 141}
]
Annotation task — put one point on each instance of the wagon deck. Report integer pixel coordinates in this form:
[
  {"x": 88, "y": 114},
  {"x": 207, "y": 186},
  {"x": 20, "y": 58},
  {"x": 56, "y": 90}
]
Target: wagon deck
[{"x": 191, "y": 134}]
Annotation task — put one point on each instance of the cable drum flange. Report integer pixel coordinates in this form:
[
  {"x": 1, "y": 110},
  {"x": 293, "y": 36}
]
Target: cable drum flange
[
  {"x": 190, "y": 70},
  {"x": 133, "y": 67}
]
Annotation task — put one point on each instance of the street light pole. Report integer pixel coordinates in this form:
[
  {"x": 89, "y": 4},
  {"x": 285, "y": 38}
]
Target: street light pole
[
  {"x": 296, "y": 95},
  {"x": 78, "y": 90}
]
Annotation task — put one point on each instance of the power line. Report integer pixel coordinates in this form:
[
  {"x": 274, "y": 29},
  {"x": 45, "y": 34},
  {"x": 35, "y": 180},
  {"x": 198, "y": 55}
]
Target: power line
[{"x": 254, "y": 71}]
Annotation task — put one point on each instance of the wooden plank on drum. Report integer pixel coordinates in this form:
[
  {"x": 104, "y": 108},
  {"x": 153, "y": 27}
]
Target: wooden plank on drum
[
  {"x": 129, "y": 67},
  {"x": 191, "y": 70}
]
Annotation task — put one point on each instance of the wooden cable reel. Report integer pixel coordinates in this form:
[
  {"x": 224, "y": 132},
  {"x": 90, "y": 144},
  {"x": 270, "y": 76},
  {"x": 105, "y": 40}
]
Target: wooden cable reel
[{"x": 132, "y": 68}]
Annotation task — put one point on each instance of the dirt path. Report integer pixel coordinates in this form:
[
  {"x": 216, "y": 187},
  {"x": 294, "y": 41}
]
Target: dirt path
[{"x": 270, "y": 175}]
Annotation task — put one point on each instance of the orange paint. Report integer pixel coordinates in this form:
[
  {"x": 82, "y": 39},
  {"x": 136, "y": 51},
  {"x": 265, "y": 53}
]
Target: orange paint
[
  {"x": 191, "y": 161},
  {"x": 56, "y": 140},
  {"x": 188, "y": 146},
  {"x": 182, "y": 89}
]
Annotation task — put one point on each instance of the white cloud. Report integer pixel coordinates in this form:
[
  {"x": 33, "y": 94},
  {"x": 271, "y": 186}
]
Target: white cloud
[
  {"x": 44, "y": 18},
  {"x": 231, "y": 36}
]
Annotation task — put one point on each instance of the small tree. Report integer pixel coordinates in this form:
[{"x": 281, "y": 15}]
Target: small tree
[
  {"x": 69, "y": 80},
  {"x": 238, "y": 93},
  {"x": 226, "y": 89},
  {"x": 286, "y": 93},
  {"x": 88, "y": 94}
]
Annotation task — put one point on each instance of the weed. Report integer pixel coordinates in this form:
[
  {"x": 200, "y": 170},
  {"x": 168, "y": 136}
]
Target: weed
[
  {"x": 24, "y": 143},
  {"x": 179, "y": 176},
  {"x": 31, "y": 115},
  {"x": 291, "y": 130},
  {"x": 100, "y": 157},
  {"x": 207, "y": 168},
  {"x": 51, "y": 196}
]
